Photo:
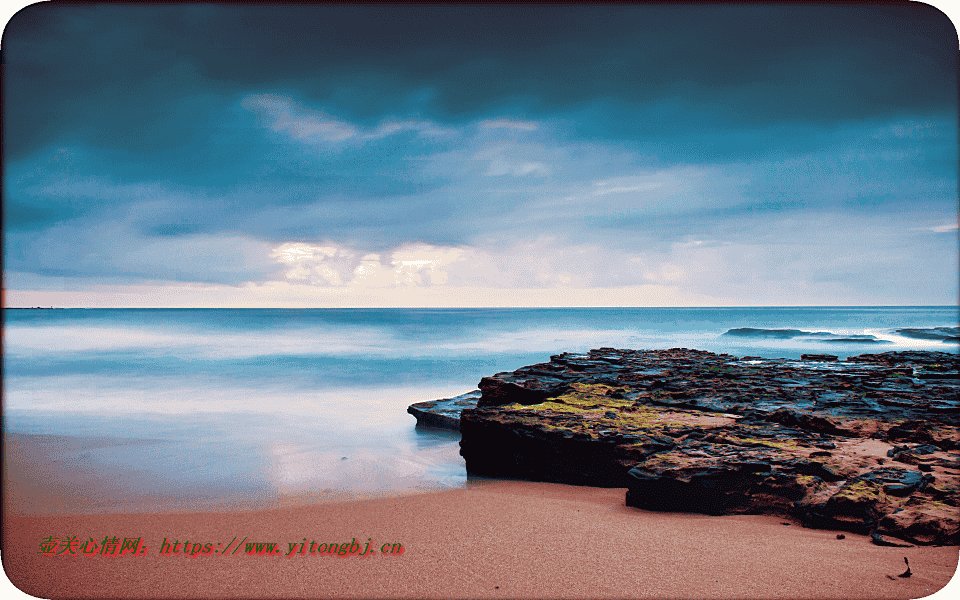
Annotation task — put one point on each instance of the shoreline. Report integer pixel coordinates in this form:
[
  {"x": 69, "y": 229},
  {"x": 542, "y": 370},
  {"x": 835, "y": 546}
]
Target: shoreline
[
  {"x": 53, "y": 474},
  {"x": 492, "y": 539}
]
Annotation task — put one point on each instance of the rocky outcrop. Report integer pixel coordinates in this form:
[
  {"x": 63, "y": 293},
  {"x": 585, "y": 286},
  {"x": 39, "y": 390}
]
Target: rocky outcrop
[
  {"x": 443, "y": 413},
  {"x": 862, "y": 445}
]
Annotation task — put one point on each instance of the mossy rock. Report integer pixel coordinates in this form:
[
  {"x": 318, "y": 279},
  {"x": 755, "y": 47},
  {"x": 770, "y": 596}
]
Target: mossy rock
[{"x": 592, "y": 396}]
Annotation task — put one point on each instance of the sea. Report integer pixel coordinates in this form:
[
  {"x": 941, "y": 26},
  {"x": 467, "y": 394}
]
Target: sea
[{"x": 227, "y": 409}]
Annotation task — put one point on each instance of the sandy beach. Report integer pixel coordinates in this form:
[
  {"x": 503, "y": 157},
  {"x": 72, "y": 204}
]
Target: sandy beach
[{"x": 493, "y": 539}]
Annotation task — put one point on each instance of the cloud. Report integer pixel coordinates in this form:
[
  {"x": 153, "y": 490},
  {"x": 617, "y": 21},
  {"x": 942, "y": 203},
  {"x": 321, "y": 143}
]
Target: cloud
[
  {"x": 791, "y": 259},
  {"x": 509, "y": 124},
  {"x": 502, "y": 167},
  {"x": 119, "y": 75},
  {"x": 514, "y": 159},
  {"x": 625, "y": 184},
  {"x": 545, "y": 262},
  {"x": 911, "y": 129},
  {"x": 415, "y": 264},
  {"x": 283, "y": 114},
  {"x": 370, "y": 273},
  {"x": 525, "y": 148},
  {"x": 117, "y": 250},
  {"x": 944, "y": 228},
  {"x": 409, "y": 260},
  {"x": 390, "y": 127},
  {"x": 295, "y": 252},
  {"x": 601, "y": 205}
]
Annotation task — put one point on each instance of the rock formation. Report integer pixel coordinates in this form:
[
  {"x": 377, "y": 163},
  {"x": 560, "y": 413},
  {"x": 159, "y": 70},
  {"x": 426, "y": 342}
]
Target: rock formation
[
  {"x": 868, "y": 445},
  {"x": 443, "y": 413}
]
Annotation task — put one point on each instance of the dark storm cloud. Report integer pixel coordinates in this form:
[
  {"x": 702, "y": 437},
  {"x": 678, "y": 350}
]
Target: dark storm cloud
[{"x": 106, "y": 74}]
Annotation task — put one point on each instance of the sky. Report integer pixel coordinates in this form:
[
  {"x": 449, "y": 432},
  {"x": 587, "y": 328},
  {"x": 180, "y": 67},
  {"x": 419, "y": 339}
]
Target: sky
[{"x": 411, "y": 155}]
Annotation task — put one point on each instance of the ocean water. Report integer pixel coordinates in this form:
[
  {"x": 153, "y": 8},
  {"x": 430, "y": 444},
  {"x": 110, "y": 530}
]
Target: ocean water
[{"x": 227, "y": 408}]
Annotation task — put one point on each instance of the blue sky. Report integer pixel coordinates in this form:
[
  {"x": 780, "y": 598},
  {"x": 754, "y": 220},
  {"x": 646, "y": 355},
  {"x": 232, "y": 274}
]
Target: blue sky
[{"x": 640, "y": 155}]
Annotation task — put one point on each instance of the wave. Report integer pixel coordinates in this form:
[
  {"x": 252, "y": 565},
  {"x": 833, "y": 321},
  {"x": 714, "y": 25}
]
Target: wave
[
  {"x": 791, "y": 334},
  {"x": 943, "y": 334}
]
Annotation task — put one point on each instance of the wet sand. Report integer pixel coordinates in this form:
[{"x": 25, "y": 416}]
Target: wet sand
[{"x": 489, "y": 540}]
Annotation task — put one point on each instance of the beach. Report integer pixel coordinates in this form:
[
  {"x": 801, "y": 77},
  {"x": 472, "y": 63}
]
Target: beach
[{"x": 490, "y": 539}]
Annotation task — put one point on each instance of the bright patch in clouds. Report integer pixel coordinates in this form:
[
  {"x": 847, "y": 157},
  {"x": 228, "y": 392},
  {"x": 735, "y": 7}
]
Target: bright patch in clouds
[
  {"x": 408, "y": 265},
  {"x": 283, "y": 114},
  {"x": 409, "y": 260},
  {"x": 294, "y": 252},
  {"x": 944, "y": 228}
]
